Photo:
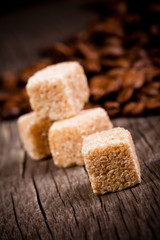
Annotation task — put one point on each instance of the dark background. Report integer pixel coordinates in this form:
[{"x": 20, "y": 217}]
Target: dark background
[{"x": 28, "y": 26}]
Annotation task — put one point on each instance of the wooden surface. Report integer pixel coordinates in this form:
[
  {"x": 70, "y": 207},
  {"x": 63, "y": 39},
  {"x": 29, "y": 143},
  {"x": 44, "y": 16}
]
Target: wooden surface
[{"x": 41, "y": 201}]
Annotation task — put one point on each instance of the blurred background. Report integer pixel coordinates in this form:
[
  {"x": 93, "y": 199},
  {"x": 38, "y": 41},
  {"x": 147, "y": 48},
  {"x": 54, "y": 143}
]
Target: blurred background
[{"x": 117, "y": 43}]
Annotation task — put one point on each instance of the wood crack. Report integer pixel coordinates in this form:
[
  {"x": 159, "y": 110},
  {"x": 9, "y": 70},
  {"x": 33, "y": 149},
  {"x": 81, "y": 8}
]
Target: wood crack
[
  {"x": 152, "y": 231},
  {"x": 85, "y": 233},
  {"x": 100, "y": 201},
  {"x": 41, "y": 207},
  {"x": 152, "y": 172},
  {"x": 153, "y": 191},
  {"x": 99, "y": 226},
  {"x": 148, "y": 167},
  {"x": 15, "y": 214},
  {"x": 143, "y": 179},
  {"x": 155, "y": 175},
  {"x": 155, "y": 213},
  {"x": 23, "y": 161},
  {"x": 103, "y": 206},
  {"x": 120, "y": 200},
  {"x": 106, "y": 212},
  {"x": 70, "y": 229},
  {"x": 54, "y": 217},
  {"x": 39, "y": 237},
  {"x": 123, "y": 219},
  {"x": 146, "y": 140},
  {"x": 93, "y": 215},
  {"x": 74, "y": 214},
  {"x": 133, "y": 194},
  {"x": 156, "y": 201},
  {"x": 116, "y": 232},
  {"x": 57, "y": 189},
  {"x": 136, "y": 211},
  {"x": 66, "y": 176},
  {"x": 153, "y": 183}
]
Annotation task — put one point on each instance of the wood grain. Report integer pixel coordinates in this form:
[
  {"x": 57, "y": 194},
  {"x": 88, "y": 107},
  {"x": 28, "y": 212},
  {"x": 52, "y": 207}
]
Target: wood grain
[{"x": 42, "y": 201}]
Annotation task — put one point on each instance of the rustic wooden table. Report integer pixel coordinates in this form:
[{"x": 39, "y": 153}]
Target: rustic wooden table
[{"x": 41, "y": 201}]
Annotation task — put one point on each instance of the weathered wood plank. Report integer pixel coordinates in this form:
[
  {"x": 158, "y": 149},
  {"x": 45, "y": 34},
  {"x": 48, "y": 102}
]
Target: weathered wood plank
[{"x": 47, "y": 202}]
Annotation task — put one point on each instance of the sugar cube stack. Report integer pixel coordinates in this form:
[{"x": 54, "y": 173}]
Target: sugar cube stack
[
  {"x": 34, "y": 135},
  {"x": 111, "y": 160},
  {"x": 59, "y": 126},
  {"x": 58, "y": 91},
  {"x": 66, "y": 136}
]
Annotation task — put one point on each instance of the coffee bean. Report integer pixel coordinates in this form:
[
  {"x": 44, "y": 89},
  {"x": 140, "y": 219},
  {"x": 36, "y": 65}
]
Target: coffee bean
[
  {"x": 151, "y": 72},
  {"x": 121, "y": 62},
  {"x": 88, "y": 51},
  {"x": 116, "y": 72},
  {"x": 153, "y": 103},
  {"x": 121, "y": 57},
  {"x": 133, "y": 108},
  {"x": 101, "y": 85},
  {"x": 133, "y": 78},
  {"x": 113, "y": 112},
  {"x": 91, "y": 105},
  {"x": 92, "y": 66},
  {"x": 10, "y": 110},
  {"x": 125, "y": 94},
  {"x": 8, "y": 80},
  {"x": 4, "y": 96},
  {"x": 111, "y": 105},
  {"x": 151, "y": 89},
  {"x": 111, "y": 51}
]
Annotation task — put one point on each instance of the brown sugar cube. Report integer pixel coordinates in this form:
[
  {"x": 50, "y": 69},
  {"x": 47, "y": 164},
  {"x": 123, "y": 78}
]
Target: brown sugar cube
[
  {"x": 111, "y": 160},
  {"x": 33, "y": 132},
  {"x": 58, "y": 91},
  {"x": 66, "y": 137}
]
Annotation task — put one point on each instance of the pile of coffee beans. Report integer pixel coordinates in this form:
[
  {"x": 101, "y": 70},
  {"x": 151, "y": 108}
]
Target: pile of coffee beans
[{"x": 120, "y": 52}]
